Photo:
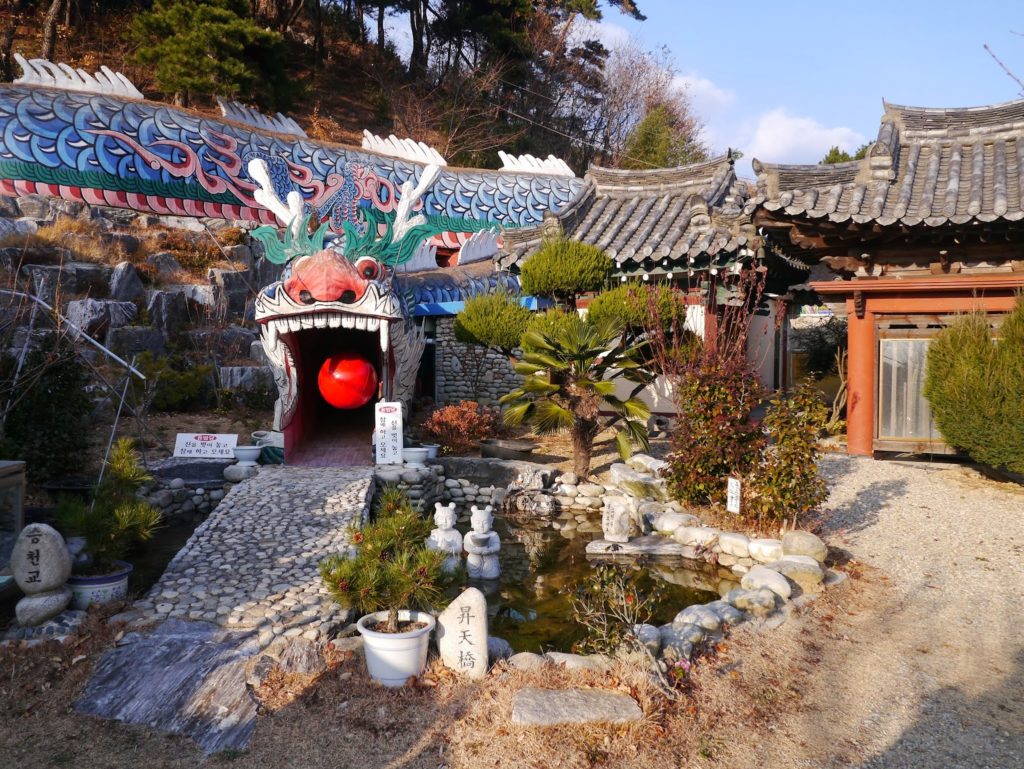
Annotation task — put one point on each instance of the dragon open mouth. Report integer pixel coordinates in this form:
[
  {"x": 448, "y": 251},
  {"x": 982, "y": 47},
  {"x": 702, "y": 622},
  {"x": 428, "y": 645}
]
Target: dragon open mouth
[{"x": 299, "y": 336}]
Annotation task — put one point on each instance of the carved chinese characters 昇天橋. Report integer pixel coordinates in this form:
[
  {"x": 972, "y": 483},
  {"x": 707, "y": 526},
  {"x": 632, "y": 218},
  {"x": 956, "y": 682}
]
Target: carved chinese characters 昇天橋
[{"x": 462, "y": 634}]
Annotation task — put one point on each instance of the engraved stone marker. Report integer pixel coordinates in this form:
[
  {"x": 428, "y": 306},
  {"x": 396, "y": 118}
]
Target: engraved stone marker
[{"x": 462, "y": 634}]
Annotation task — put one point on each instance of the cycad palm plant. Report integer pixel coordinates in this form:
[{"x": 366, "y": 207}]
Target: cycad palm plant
[{"x": 569, "y": 370}]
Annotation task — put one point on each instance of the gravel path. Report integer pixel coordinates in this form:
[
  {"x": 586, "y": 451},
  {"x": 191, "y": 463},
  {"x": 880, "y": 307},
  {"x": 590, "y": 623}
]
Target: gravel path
[{"x": 932, "y": 674}]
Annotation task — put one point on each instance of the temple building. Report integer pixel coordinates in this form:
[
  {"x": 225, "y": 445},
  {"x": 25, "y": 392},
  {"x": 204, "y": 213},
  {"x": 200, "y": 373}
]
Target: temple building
[{"x": 927, "y": 225}]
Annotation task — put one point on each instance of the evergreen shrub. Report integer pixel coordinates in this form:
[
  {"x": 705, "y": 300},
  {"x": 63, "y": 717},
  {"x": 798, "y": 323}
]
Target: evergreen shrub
[
  {"x": 975, "y": 385},
  {"x": 564, "y": 269},
  {"x": 495, "y": 321}
]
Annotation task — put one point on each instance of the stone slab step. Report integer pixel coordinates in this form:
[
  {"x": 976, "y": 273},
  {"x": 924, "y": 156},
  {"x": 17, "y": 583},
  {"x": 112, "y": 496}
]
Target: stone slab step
[{"x": 551, "y": 707}]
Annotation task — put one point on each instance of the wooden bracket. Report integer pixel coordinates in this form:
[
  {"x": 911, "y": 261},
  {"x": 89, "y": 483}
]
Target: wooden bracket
[{"x": 858, "y": 304}]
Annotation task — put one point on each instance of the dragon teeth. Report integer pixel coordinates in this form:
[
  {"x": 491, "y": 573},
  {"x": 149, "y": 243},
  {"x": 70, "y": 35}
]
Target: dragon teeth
[
  {"x": 385, "y": 335},
  {"x": 361, "y": 322},
  {"x": 334, "y": 321},
  {"x": 348, "y": 321},
  {"x": 372, "y": 324}
]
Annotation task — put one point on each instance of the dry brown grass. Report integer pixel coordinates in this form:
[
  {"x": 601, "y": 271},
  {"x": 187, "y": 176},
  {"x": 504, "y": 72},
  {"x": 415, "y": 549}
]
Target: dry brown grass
[{"x": 745, "y": 703}]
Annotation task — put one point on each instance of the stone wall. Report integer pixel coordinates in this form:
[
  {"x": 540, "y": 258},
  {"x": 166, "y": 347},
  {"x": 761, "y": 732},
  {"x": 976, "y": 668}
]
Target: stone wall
[{"x": 465, "y": 372}]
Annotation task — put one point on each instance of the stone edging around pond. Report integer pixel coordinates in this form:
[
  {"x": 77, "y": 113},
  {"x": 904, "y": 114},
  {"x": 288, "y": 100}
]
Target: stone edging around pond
[{"x": 771, "y": 571}]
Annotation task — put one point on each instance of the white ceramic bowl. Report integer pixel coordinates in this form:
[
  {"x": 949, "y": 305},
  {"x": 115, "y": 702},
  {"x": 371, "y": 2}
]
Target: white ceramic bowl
[{"x": 247, "y": 455}]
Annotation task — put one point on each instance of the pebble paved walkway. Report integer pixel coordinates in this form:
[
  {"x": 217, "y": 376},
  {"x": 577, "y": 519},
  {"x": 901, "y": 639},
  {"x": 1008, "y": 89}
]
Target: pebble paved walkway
[{"x": 253, "y": 562}]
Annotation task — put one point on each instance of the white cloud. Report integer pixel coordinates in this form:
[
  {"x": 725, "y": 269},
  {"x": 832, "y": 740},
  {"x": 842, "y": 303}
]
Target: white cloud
[
  {"x": 780, "y": 137},
  {"x": 612, "y": 35},
  {"x": 706, "y": 97}
]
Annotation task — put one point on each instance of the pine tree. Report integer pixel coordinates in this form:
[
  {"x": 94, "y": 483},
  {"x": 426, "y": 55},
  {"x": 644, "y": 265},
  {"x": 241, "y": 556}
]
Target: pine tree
[
  {"x": 662, "y": 140},
  {"x": 208, "y": 47}
]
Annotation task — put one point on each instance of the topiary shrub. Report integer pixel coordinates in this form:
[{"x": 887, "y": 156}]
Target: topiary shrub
[
  {"x": 975, "y": 386},
  {"x": 784, "y": 483},
  {"x": 495, "y": 321},
  {"x": 460, "y": 426},
  {"x": 47, "y": 421},
  {"x": 564, "y": 269},
  {"x": 630, "y": 305}
]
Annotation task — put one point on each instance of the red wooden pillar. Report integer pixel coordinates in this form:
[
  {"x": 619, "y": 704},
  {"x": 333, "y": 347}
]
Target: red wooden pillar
[{"x": 860, "y": 405}]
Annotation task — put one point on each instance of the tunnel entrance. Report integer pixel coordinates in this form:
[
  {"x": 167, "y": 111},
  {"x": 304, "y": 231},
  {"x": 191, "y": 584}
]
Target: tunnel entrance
[{"x": 321, "y": 435}]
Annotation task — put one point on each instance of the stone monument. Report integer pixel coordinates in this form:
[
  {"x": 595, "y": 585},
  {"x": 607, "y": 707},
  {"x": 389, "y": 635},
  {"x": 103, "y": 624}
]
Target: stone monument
[
  {"x": 483, "y": 545},
  {"x": 41, "y": 565},
  {"x": 462, "y": 634},
  {"x": 619, "y": 519},
  {"x": 445, "y": 537}
]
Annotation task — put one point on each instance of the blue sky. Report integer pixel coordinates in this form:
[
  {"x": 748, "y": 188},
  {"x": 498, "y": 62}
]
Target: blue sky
[{"x": 784, "y": 81}]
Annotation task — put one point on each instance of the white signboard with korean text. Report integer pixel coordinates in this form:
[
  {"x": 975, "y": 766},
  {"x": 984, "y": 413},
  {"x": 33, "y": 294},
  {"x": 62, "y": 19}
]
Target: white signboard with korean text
[
  {"x": 732, "y": 497},
  {"x": 216, "y": 445},
  {"x": 387, "y": 420}
]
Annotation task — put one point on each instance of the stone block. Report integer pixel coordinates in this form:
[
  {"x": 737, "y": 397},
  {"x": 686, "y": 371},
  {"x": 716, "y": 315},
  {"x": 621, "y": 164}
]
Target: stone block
[
  {"x": 698, "y": 615},
  {"x": 96, "y": 316},
  {"x": 807, "y": 575},
  {"x": 132, "y": 340},
  {"x": 550, "y": 707},
  {"x": 462, "y": 634},
  {"x": 37, "y": 608},
  {"x": 696, "y": 536},
  {"x": 765, "y": 550},
  {"x": 125, "y": 284}
]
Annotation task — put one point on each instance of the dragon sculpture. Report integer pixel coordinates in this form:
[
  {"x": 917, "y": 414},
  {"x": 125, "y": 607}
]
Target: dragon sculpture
[{"x": 359, "y": 225}]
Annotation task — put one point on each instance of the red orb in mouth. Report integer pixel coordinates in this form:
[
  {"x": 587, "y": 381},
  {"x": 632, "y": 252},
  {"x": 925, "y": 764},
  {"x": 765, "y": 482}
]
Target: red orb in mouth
[{"x": 347, "y": 380}]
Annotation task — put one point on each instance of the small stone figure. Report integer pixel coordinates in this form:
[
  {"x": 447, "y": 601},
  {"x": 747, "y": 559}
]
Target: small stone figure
[
  {"x": 483, "y": 545},
  {"x": 445, "y": 537}
]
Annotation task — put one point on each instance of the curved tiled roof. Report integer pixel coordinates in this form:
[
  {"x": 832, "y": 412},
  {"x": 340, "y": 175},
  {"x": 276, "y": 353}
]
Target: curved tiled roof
[
  {"x": 661, "y": 214},
  {"x": 930, "y": 166}
]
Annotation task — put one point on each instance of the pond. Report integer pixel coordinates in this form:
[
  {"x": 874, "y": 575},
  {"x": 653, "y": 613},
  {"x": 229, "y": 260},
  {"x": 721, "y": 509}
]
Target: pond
[{"x": 530, "y": 606}]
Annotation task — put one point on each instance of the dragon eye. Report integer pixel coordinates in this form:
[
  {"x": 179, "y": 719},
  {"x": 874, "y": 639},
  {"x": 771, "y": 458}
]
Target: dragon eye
[{"x": 368, "y": 268}]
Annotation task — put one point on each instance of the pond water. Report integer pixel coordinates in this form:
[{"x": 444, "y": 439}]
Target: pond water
[{"x": 530, "y": 606}]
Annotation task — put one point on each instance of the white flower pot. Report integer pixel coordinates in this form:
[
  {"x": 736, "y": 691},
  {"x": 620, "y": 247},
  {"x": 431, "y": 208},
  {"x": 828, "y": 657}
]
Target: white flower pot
[
  {"x": 432, "y": 449},
  {"x": 392, "y": 658},
  {"x": 106, "y": 587}
]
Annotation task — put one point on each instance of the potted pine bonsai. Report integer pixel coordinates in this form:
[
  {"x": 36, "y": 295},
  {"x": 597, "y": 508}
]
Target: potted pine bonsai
[
  {"x": 111, "y": 524},
  {"x": 392, "y": 578}
]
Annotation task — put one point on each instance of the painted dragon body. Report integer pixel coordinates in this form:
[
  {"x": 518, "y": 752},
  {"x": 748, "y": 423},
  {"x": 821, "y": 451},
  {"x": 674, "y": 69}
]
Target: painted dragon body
[{"x": 92, "y": 138}]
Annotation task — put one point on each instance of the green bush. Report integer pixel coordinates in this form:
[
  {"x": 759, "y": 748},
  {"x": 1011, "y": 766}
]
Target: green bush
[
  {"x": 117, "y": 519},
  {"x": 49, "y": 416},
  {"x": 495, "y": 321},
  {"x": 176, "y": 384},
  {"x": 564, "y": 269},
  {"x": 976, "y": 388},
  {"x": 785, "y": 483}
]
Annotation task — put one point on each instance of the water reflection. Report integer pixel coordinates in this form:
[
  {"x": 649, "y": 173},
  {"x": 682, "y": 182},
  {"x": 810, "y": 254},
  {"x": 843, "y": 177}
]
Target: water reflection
[{"x": 530, "y": 606}]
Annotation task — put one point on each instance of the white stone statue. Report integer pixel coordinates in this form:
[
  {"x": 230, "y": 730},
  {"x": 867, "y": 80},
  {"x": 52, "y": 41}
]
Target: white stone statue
[
  {"x": 445, "y": 537},
  {"x": 483, "y": 545}
]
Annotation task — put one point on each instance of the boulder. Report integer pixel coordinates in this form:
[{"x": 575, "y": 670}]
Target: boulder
[
  {"x": 498, "y": 649},
  {"x": 726, "y": 612},
  {"x": 670, "y": 520},
  {"x": 763, "y": 577},
  {"x": 526, "y": 661},
  {"x": 132, "y": 340},
  {"x": 9, "y": 208},
  {"x": 34, "y": 206},
  {"x": 649, "y": 636},
  {"x": 168, "y": 312},
  {"x": 698, "y": 615},
  {"x": 37, "y": 608},
  {"x": 760, "y": 602},
  {"x": 550, "y": 707},
  {"x": 126, "y": 285},
  {"x": 734, "y": 544},
  {"x": 246, "y": 378},
  {"x": 462, "y": 634},
  {"x": 96, "y": 316},
  {"x": 646, "y": 464},
  {"x": 238, "y": 473},
  {"x": 805, "y": 572},
  {"x": 765, "y": 550},
  {"x": 234, "y": 287},
  {"x": 804, "y": 543},
  {"x": 165, "y": 262},
  {"x": 197, "y": 293},
  {"x": 40, "y": 562},
  {"x": 696, "y": 536},
  {"x": 240, "y": 255},
  {"x": 596, "y": 662},
  {"x": 15, "y": 228},
  {"x": 69, "y": 278},
  {"x": 677, "y": 642}
]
